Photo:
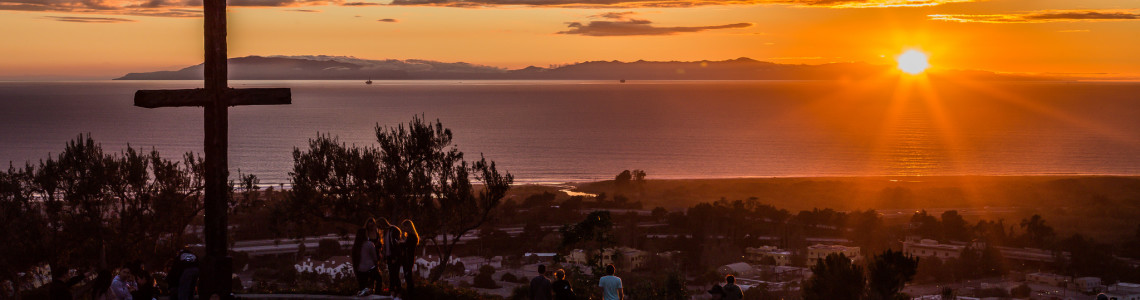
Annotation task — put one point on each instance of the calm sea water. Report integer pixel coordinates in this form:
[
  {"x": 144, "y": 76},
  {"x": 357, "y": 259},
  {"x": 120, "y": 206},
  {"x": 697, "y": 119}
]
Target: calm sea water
[{"x": 559, "y": 131}]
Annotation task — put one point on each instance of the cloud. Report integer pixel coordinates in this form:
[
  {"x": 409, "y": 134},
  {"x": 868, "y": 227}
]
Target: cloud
[
  {"x": 305, "y": 10},
  {"x": 150, "y": 8},
  {"x": 618, "y": 25},
  {"x": 90, "y": 19},
  {"x": 614, "y": 15},
  {"x": 1044, "y": 16},
  {"x": 388, "y": 20},
  {"x": 192, "y": 8},
  {"x": 674, "y": 3}
]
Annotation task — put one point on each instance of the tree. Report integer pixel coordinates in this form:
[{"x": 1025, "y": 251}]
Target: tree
[
  {"x": 639, "y": 181},
  {"x": 415, "y": 172},
  {"x": 835, "y": 277},
  {"x": 954, "y": 226},
  {"x": 595, "y": 233},
  {"x": 25, "y": 227},
  {"x": 1037, "y": 233},
  {"x": 888, "y": 274},
  {"x": 622, "y": 179},
  {"x": 925, "y": 225}
]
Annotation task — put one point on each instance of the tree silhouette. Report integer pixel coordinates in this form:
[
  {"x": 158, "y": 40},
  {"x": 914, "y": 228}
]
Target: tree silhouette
[
  {"x": 888, "y": 273},
  {"x": 1037, "y": 233},
  {"x": 836, "y": 278},
  {"x": 132, "y": 204},
  {"x": 415, "y": 172}
]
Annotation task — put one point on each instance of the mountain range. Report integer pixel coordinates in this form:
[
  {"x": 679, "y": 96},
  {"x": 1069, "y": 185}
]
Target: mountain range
[{"x": 350, "y": 68}]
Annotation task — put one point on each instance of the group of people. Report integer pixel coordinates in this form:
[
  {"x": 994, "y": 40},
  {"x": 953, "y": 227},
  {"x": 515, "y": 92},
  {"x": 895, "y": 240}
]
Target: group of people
[
  {"x": 730, "y": 291},
  {"x": 542, "y": 289},
  {"x": 131, "y": 282},
  {"x": 395, "y": 246}
]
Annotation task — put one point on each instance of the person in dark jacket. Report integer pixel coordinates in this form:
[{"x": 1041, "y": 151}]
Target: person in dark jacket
[
  {"x": 60, "y": 287},
  {"x": 188, "y": 279},
  {"x": 407, "y": 259},
  {"x": 147, "y": 287},
  {"x": 561, "y": 287},
  {"x": 174, "y": 275},
  {"x": 731, "y": 290},
  {"x": 391, "y": 251},
  {"x": 540, "y": 286}
]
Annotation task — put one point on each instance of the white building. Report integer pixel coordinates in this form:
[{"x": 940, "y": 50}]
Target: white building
[
  {"x": 1123, "y": 291},
  {"x": 821, "y": 251},
  {"x": 628, "y": 257},
  {"x": 1088, "y": 284},
  {"x": 1048, "y": 279},
  {"x": 931, "y": 248}
]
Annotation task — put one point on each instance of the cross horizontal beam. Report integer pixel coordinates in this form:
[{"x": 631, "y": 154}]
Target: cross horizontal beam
[{"x": 198, "y": 97}]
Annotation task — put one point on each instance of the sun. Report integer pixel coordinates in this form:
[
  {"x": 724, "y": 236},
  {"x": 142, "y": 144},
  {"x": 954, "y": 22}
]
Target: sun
[{"x": 913, "y": 62}]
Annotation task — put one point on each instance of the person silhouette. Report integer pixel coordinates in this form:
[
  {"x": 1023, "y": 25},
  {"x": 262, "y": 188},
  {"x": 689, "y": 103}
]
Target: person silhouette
[
  {"x": 407, "y": 258},
  {"x": 540, "y": 288}
]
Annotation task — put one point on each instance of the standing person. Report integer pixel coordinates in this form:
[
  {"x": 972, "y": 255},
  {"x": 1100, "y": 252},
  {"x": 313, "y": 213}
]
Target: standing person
[
  {"x": 123, "y": 285},
  {"x": 174, "y": 274},
  {"x": 561, "y": 287},
  {"x": 611, "y": 285},
  {"x": 540, "y": 288},
  {"x": 731, "y": 290},
  {"x": 407, "y": 258},
  {"x": 364, "y": 261},
  {"x": 188, "y": 279},
  {"x": 101, "y": 287},
  {"x": 390, "y": 249},
  {"x": 61, "y": 283}
]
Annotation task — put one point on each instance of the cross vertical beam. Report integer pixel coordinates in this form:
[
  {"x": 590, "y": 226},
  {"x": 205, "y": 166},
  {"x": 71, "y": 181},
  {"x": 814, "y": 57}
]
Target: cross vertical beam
[
  {"x": 216, "y": 98},
  {"x": 218, "y": 266}
]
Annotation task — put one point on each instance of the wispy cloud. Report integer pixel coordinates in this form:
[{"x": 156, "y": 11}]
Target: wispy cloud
[
  {"x": 1044, "y": 16},
  {"x": 620, "y": 24},
  {"x": 675, "y": 3},
  {"x": 89, "y": 19},
  {"x": 191, "y": 8},
  {"x": 150, "y": 8},
  {"x": 305, "y": 10},
  {"x": 614, "y": 15},
  {"x": 388, "y": 20}
]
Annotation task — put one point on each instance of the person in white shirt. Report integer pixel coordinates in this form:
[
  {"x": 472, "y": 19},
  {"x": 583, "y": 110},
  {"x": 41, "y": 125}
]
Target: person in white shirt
[{"x": 611, "y": 285}]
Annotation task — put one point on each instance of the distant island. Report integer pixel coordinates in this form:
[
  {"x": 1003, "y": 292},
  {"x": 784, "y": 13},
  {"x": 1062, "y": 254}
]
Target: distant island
[{"x": 350, "y": 68}]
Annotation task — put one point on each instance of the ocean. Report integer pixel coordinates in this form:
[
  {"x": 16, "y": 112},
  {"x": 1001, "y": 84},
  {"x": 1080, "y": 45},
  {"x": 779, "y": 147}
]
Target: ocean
[{"x": 574, "y": 131}]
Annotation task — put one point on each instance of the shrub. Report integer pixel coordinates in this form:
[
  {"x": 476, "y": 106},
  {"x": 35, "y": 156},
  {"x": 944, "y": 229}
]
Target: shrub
[
  {"x": 484, "y": 279},
  {"x": 508, "y": 277}
]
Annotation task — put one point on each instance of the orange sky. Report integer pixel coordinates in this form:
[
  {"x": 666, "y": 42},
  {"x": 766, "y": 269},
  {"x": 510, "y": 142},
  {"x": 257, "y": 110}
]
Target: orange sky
[{"x": 46, "y": 39}]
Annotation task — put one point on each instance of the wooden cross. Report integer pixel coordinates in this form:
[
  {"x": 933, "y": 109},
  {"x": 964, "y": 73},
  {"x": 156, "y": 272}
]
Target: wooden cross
[{"x": 217, "y": 97}]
